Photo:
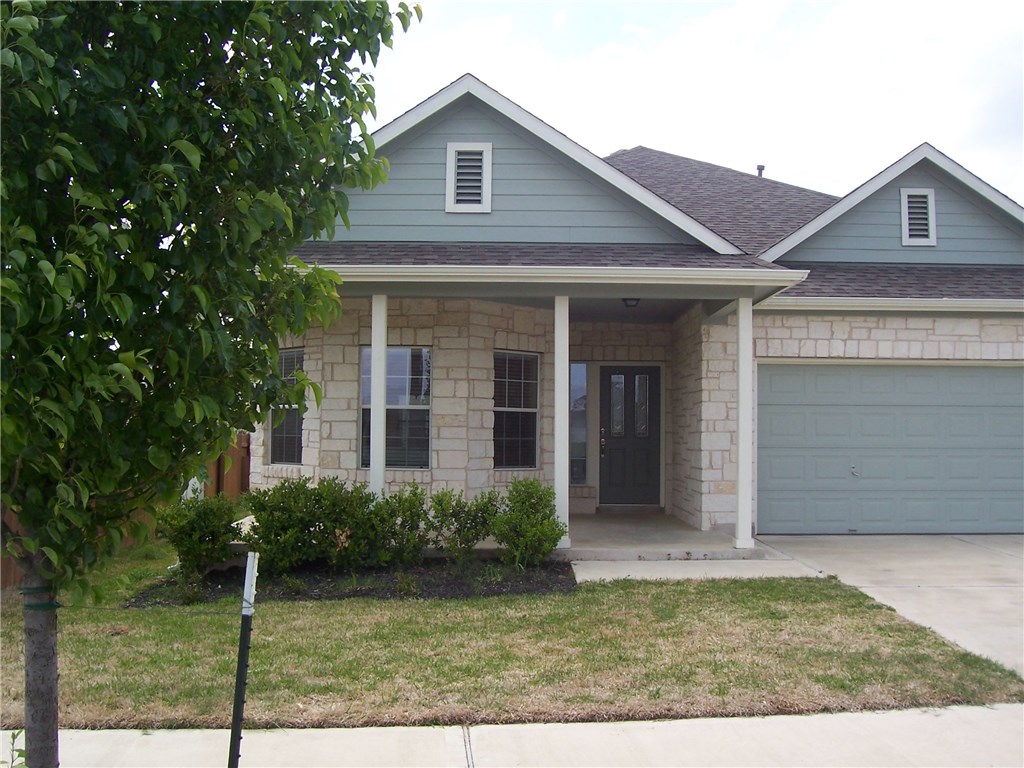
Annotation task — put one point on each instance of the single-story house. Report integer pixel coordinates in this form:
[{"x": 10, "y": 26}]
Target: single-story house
[{"x": 647, "y": 331}]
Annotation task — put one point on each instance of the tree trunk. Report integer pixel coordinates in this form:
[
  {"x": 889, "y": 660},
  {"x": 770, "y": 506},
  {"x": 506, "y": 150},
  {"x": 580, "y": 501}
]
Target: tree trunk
[{"x": 39, "y": 604}]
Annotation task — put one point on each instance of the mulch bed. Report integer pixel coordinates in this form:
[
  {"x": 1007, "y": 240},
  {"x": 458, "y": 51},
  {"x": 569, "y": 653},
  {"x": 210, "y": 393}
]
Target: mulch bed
[{"x": 435, "y": 578}]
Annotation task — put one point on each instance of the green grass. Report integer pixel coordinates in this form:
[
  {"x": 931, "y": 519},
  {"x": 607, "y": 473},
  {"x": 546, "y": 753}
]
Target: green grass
[{"x": 621, "y": 650}]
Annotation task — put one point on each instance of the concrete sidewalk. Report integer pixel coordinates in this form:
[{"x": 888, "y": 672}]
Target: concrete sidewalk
[{"x": 957, "y": 736}]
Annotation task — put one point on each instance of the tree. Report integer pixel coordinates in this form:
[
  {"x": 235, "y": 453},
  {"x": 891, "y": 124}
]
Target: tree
[{"x": 159, "y": 162}]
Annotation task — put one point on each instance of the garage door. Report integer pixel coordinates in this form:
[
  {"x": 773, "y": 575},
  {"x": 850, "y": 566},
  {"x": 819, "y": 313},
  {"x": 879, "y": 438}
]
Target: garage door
[{"x": 890, "y": 449}]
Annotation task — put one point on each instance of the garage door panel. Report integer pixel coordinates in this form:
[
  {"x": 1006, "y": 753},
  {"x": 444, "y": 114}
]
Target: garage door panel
[
  {"x": 1006, "y": 509},
  {"x": 890, "y": 449}
]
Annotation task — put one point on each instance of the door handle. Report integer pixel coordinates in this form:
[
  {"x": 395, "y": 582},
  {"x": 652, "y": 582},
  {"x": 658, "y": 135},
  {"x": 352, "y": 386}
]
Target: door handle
[
  {"x": 603, "y": 444},
  {"x": 854, "y": 472}
]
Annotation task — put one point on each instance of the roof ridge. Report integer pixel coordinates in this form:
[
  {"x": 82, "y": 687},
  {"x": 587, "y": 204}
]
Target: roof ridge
[{"x": 718, "y": 167}]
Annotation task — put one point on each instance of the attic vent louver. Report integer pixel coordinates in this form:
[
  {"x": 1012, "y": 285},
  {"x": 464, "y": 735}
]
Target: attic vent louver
[
  {"x": 468, "y": 182},
  {"x": 469, "y": 177},
  {"x": 918, "y": 211}
]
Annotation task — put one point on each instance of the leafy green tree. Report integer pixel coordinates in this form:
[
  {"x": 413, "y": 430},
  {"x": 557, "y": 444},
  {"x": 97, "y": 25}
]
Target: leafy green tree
[{"x": 159, "y": 162}]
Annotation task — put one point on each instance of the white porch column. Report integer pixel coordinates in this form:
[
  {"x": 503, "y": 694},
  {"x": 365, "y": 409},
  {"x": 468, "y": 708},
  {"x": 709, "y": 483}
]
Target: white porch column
[
  {"x": 378, "y": 391},
  {"x": 744, "y": 424},
  {"x": 562, "y": 414}
]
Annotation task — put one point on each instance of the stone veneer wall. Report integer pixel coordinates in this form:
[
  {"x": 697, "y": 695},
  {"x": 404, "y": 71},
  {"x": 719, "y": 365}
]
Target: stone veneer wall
[
  {"x": 684, "y": 387},
  {"x": 818, "y": 338},
  {"x": 597, "y": 343},
  {"x": 462, "y": 335}
]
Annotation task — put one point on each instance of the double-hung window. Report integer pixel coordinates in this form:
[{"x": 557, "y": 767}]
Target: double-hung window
[
  {"x": 407, "y": 430},
  {"x": 516, "y": 383},
  {"x": 286, "y": 429}
]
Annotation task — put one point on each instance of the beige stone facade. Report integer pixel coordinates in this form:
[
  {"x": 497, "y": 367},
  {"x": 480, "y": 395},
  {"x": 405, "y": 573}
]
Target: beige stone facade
[{"x": 698, "y": 362}]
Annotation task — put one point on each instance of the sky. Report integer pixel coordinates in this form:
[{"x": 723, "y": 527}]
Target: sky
[{"x": 824, "y": 94}]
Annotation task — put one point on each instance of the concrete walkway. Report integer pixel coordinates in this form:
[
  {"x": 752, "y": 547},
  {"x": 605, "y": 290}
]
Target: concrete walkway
[{"x": 957, "y": 736}]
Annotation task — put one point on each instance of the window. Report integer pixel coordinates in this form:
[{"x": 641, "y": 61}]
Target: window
[
  {"x": 578, "y": 423},
  {"x": 515, "y": 410},
  {"x": 407, "y": 428},
  {"x": 468, "y": 178},
  {"x": 918, "y": 215},
  {"x": 286, "y": 434}
]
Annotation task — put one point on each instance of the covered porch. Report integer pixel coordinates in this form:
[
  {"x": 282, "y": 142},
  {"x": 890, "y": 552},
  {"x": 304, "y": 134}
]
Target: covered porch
[{"x": 679, "y": 330}]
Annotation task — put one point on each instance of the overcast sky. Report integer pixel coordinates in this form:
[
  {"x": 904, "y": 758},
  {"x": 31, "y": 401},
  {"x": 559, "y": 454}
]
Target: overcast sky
[{"x": 824, "y": 94}]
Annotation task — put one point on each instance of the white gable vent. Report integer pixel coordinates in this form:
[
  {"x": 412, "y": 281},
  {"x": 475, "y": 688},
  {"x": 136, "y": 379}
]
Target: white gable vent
[
  {"x": 468, "y": 178},
  {"x": 918, "y": 212}
]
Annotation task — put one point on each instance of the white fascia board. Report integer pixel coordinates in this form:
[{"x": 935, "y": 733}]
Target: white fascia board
[
  {"x": 924, "y": 152},
  {"x": 583, "y": 275},
  {"x": 468, "y": 84},
  {"x": 847, "y": 304}
]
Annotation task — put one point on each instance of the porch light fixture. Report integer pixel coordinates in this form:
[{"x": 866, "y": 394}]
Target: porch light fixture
[{"x": 631, "y": 303}]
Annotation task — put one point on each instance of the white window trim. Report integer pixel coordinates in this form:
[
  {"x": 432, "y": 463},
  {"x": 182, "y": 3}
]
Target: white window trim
[
  {"x": 905, "y": 193},
  {"x": 450, "y": 206}
]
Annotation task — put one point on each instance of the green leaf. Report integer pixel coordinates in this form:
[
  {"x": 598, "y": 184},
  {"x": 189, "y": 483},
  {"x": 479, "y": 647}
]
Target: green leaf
[
  {"x": 188, "y": 149},
  {"x": 278, "y": 85},
  {"x": 159, "y": 457},
  {"x": 48, "y": 271},
  {"x": 52, "y": 556}
]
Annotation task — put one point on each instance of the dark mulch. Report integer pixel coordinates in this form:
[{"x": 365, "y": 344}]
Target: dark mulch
[{"x": 435, "y": 578}]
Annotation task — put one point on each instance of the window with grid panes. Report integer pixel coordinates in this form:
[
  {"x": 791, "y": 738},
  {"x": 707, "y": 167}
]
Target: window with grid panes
[
  {"x": 286, "y": 430},
  {"x": 516, "y": 385},
  {"x": 407, "y": 429}
]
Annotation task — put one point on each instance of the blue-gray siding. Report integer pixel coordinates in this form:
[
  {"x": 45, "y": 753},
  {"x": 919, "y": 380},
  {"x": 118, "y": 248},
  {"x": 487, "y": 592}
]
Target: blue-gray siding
[
  {"x": 537, "y": 194},
  {"x": 890, "y": 449},
  {"x": 970, "y": 230}
]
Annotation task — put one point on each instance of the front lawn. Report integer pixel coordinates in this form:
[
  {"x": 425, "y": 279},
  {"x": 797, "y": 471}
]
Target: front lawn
[{"x": 624, "y": 650}]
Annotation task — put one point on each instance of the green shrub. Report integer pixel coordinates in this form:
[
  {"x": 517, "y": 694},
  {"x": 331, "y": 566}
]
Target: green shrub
[
  {"x": 403, "y": 517},
  {"x": 526, "y": 527},
  {"x": 457, "y": 525},
  {"x": 200, "y": 530},
  {"x": 288, "y": 527},
  {"x": 355, "y": 533}
]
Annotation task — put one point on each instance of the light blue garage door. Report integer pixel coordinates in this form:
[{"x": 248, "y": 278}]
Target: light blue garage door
[{"x": 890, "y": 449}]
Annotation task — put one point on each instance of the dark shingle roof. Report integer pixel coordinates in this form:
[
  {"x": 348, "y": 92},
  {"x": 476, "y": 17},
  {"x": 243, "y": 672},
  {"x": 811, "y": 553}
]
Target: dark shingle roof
[
  {"x": 358, "y": 253},
  {"x": 908, "y": 281},
  {"x": 751, "y": 212}
]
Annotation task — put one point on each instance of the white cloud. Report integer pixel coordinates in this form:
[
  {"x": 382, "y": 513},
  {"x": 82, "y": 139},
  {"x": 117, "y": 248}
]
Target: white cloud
[{"x": 824, "y": 94}]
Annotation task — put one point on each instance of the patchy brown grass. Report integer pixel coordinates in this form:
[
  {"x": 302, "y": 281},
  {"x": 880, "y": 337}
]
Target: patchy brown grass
[{"x": 625, "y": 650}]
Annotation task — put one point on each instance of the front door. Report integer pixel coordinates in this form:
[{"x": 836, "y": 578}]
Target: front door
[{"x": 630, "y": 435}]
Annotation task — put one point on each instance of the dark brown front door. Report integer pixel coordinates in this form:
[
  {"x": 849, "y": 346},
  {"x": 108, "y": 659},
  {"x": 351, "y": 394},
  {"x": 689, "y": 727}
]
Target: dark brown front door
[{"x": 630, "y": 435}]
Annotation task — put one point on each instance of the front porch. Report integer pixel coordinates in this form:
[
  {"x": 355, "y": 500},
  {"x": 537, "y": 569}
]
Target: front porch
[{"x": 632, "y": 535}]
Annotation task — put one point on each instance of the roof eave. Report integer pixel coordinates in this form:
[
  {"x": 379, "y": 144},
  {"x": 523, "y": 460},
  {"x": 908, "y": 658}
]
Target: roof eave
[
  {"x": 879, "y": 304},
  {"x": 584, "y": 275}
]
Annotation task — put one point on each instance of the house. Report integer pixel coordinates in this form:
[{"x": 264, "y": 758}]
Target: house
[{"x": 648, "y": 331}]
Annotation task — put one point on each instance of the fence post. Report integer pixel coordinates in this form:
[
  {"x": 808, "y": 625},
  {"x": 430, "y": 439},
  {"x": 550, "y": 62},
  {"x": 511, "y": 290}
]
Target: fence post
[{"x": 242, "y": 670}]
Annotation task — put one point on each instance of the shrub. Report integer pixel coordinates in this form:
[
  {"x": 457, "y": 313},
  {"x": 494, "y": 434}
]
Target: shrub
[
  {"x": 457, "y": 525},
  {"x": 200, "y": 530},
  {"x": 403, "y": 517},
  {"x": 355, "y": 532},
  {"x": 288, "y": 527},
  {"x": 526, "y": 527}
]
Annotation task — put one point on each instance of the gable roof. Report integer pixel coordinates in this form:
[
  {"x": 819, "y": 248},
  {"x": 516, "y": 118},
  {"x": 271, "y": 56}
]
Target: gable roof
[
  {"x": 924, "y": 153},
  {"x": 470, "y": 86},
  {"x": 751, "y": 211}
]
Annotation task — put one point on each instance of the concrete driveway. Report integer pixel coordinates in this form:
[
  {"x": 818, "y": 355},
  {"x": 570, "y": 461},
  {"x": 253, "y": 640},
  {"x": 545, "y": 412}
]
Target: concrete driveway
[{"x": 968, "y": 588}]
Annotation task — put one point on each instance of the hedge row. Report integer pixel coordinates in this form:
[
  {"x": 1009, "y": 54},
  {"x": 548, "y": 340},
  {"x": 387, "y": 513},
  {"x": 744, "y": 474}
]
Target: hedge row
[{"x": 297, "y": 523}]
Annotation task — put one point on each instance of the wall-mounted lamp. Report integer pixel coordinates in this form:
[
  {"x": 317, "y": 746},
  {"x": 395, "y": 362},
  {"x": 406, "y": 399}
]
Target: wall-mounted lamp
[{"x": 631, "y": 302}]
